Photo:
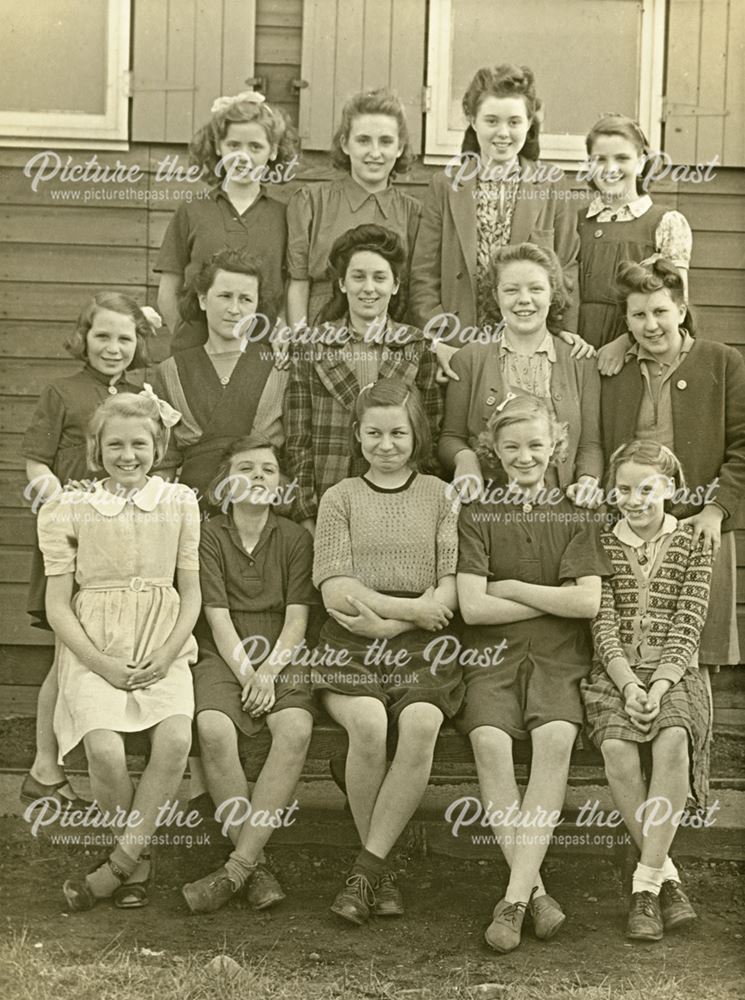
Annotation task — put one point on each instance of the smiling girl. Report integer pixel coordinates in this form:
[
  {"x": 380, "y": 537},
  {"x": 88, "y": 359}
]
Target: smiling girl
[
  {"x": 125, "y": 635},
  {"x": 371, "y": 145},
  {"x": 245, "y": 145}
]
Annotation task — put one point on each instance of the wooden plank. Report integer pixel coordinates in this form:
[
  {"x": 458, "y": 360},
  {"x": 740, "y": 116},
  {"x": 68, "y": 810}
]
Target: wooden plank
[
  {"x": 48, "y": 301},
  {"x": 10, "y": 452},
  {"x": 717, "y": 288},
  {"x": 180, "y": 71},
  {"x": 34, "y": 340},
  {"x": 15, "y": 628},
  {"x": 12, "y": 489},
  {"x": 16, "y": 564},
  {"x": 17, "y": 526},
  {"x": 407, "y": 62},
  {"x": 149, "y": 54},
  {"x": 683, "y": 48},
  {"x": 93, "y": 226},
  {"x": 348, "y": 48},
  {"x": 21, "y": 378},
  {"x": 278, "y": 46},
  {"x": 15, "y": 189},
  {"x": 238, "y": 39},
  {"x": 376, "y": 44},
  {"x": 207, "y": 69},
  {"x": 65, "y": 263},
  {"x": 711, "y": 92},
  {"x": 318, "y": 67},
  {"x": 279, "y": 13},
  {"x": 734, "y": 98},
  {"x": 24, "y": 665},
  {"x": 727, "y": 326},
  {"x": 719, "y": 250},
  {"x": 716, "y": 212}
]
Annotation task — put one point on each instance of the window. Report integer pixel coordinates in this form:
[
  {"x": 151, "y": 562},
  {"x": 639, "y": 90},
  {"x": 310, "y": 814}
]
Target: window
[{"x": 588, "y": 56}]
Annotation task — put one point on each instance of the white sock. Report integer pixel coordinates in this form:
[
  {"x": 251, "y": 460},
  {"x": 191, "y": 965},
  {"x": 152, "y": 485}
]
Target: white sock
[
  {"x": 647, "y": 879},
  {"x": 669, "y": 871}
]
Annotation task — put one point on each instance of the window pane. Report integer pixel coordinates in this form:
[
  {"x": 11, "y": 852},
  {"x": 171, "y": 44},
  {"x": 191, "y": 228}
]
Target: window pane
[
  {"x": 585, "y": 61},
  {"x": 54, "y": 56}
]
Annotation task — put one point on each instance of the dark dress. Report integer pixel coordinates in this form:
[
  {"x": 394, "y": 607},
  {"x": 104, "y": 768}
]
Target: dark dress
[
  {"x": 56, "y": 437},
  {"x": 256, "y": 588}
]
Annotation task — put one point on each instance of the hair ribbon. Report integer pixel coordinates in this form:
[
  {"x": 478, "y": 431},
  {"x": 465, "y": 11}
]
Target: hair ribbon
[
  {"x": 168, "y": 415},
  {"x": 152, "y": 316}
]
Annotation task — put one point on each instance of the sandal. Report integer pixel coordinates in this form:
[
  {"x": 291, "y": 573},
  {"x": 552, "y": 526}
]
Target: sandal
[
  {"x": 78, "y": 893},
  {"x": 32, "y": 791},
  {"x": 133, "y": 894}
]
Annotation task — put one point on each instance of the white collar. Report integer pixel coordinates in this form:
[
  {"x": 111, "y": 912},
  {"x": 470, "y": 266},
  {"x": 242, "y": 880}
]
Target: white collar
[
  {"x": 637, "y": 208},
  {"x": 111, "y": 504},
  {"x": 546, "y": 346},
  {"x": 627, "y": 536}
]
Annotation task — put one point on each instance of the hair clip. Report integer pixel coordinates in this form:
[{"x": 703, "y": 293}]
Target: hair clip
[
  {"x": 168, "y": 415},
  {"x": 652, "y": 259},
  {"x": 222, "y": 104},
  {"x": 152, "y": 316},
  {"x": 366, "y": 387},
  {"x": 507, "y": 399}
]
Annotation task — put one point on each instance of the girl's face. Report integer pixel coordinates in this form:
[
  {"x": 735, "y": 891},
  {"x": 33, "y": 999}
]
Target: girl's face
[
  {"x": 524, "y": 296},
  {"x": 254, "y": 476},
  {"x": 616, "y": 163},
  {"x": 641, "y": 492},
  {"x": 368, "y": 285},
  {"x": 245, "y": 147},
  {"x": 127, "y": 451},
  {"x": 230, "y": 298},
  {"x": 654, "y": 323},
  {"x": 525, "y": 450},
  {"x": 111, "y": 342},
  {"x": 501, "y": 125},
  {"x": 386, "y": 438},
  {"x": 373, "y": 146}
]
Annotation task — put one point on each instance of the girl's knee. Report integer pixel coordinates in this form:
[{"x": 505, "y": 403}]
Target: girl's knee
[
  {"x": 554, "y": 741},
  {"x": 172, "y": 743},
  {"x": 418, "y": 727},
  {"x": 292, "y": 730},
  {"x": 671, "y": 746},
  {"x": 620, "y": 756},
  {"x": 367, "y": 725},
  {"x": 106, "y": 755},
  {"x": 491, "y": 747},
  {"x": 216, "y": 734}
]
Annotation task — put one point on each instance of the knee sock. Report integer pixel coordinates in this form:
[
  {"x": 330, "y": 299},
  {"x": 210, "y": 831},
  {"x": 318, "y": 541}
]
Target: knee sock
[
  {"x": 102, "y": 882},
  {"x": 647, "y": 879},
  {"x": 239, "y": 870},
  {"x": 669, "y": 871},
  {"x": 369, "y": 865}
]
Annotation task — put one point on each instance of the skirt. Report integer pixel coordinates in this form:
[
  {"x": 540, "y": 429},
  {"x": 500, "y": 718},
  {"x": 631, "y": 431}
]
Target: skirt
[{"x": 719, "y": 643}]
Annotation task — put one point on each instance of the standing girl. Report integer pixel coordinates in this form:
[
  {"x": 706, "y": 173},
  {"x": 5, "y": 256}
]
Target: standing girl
[
  {"x": 620, "y": 223},
  {"x": 110, "y": 338},
  {"x": 495, "y": 194},
  {"x": 370, "y": 145},
  {"x": 125, "y": 636},
  {"x": 528, "y": 580},
  {"x": 244, "y": 143},
  {"x": 255, "y": 569},
  {"x": 228, "y": 387},
  {"x": 688, "y": 394},
  {"x": 645, "y": 687},
  {"x": 385, "y": 553}
]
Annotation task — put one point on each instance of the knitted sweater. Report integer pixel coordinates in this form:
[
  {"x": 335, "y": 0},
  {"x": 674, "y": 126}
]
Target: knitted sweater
[
  {"x": 665, "y": 612},
  {"x": 392, "y": 541}
]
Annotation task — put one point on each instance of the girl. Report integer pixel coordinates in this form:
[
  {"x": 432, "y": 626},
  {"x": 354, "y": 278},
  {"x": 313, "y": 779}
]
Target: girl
[
  {"x": 494, "y": 195},
  {"x": 125, "y": 636},
  {"x": 528, "y": 578},
  {"x": 385, "y": 556},
  {"x": 228, "y": 387},
  {"x": 620, "y": 223},
  {"x": 358, "y": 344},
  {"x": 256, "y": 588},
  {"x": 645, "y": 687},
  {"x": 110, "y": 338},
  {"x": 688, "y": 394},
  {"x": 524, "y": 359},
  {"x": 244, "y": 143},
  {"x": 370, "y": 145}
]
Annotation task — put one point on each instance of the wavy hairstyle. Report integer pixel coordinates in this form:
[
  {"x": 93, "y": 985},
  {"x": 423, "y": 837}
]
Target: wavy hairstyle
[
  {"x": 372, "y": 102},
  {"x": 394, "y": 392},
  {"x": 234, "y": 261},
  {"x": 126, "y": 404},
  {"x": 625, "y": 128},
  {"x": 650, "y": 276},
  {"x": 249, "y": 442},
  {"x": 375, "y": 239},
  {"x": 506, "y": 80},
  {"x": 651, "y": 453},
  {"x": 545, "y": 259},
  {"x": 518, "y": 411},
  {"x": 76, "y": 343}
]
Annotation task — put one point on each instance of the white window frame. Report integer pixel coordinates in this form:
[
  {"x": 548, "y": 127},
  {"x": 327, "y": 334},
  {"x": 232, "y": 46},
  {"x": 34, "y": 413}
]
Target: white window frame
[
  {"x": 442, "y": 143},
  {"x": 107, "y": 130}
]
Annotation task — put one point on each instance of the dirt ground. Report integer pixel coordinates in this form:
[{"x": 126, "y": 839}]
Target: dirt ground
[{"x": 436, "y": 950}]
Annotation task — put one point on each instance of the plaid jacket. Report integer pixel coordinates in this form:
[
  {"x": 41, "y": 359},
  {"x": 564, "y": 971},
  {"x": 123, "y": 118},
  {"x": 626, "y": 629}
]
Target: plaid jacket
[{"x": 319, "y": 400}]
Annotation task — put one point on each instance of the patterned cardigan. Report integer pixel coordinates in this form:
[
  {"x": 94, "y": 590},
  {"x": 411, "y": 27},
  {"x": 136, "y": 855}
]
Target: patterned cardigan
[{"x": 670, "y": 607}]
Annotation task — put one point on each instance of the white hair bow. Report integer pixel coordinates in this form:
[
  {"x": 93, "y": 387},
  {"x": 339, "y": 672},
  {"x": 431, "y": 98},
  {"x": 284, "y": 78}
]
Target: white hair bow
[
  {"x": 152, "y": 316},
  {"x": 222, "y": 104},
  {"x": 168, "y": 415}
]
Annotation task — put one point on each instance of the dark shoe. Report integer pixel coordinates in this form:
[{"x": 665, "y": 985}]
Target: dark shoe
[
  {"x": 78, "y": 893},
  {"x": 503, "y": 933},
  {"x": 356, "y": 900},
  {"x": 33, "y": 790},
  {"x": 263, "y": 890},
  {"x": 547, "y": 916},
  {"x": 675, "y": 905},
  {"x": 388, "y": 901},
  {"x": 209, "y": 893},
  {"x": 134, "y": 893},
  {"x": 645, "y": 918}
]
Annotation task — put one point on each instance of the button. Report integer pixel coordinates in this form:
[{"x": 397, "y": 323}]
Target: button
[
  {"x": 682, "y": 384},
  {"x": 614, "y": 218},
  {"x": 137, "y": 584},
  {"x": 224, "y": 379},
  {"x": 598, "y": 233},
  {"x": 459, "y": 275},
  {"x": 111, "y": 390},
  {"x": 491, "y": 400},
  {"x": 558, "y": 396}
]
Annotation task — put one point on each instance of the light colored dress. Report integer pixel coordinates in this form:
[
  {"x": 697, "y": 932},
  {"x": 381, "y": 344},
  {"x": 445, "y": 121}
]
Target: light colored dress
[{"x": 123, "y": 551}]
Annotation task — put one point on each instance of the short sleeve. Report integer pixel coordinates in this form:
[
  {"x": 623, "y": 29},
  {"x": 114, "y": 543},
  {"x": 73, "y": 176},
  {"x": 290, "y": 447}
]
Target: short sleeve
[
  {"x": 212, "y": 571},
  {"x": 187, "y": 556},
  {"x": 299, "y": 221},
  {"x": 585, "y": 555},
  {"x": 673, "y": 239},
  {"x": 333, "y": 543},
  {"x": 300, "y": 588},
  {"x": 56, "y": 528},
  {"x": 42, "y": 438},
  {"x": 173, "y": 255},
  {"x": 473, "y": 548},
  {"x": 447, "y": 535}
]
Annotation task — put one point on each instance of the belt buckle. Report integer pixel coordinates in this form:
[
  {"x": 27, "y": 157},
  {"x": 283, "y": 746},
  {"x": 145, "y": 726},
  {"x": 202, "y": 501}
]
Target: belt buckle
[{"x": 137, "y": 584}]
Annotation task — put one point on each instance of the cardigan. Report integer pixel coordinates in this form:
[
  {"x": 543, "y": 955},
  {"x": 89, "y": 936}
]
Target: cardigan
[
  {"x": 708, "y": 405},
  {"x": 444, "y": 271}
]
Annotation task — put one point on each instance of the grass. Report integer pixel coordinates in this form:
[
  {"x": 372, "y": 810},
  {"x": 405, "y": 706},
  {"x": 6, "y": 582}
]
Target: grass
[{"x": 28, "y": 973}]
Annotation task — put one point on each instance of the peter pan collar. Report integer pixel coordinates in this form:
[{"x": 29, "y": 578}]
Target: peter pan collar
[
  {"x": 635, "y": 208},
  {"x": 627, "y": 536},
  {"x": 111, "y": 504},
  {"x": 357, "y": 196}
]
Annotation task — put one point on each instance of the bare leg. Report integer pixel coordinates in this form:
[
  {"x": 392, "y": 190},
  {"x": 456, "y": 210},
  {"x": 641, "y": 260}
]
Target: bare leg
[
  {"x": 225, "y": 778},
  {"x": 669, "y": 786},
  {"x": 624, "y": 773},
  {"x": 366, "y": 723},
  {"x": 107, "y": 766},
  {"x": 45, "y": 767},
  {"x": 406, "y": 781}
]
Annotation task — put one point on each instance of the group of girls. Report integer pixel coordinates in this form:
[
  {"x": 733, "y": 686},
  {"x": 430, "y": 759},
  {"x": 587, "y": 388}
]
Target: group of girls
[{"x": 396, "y": 555}]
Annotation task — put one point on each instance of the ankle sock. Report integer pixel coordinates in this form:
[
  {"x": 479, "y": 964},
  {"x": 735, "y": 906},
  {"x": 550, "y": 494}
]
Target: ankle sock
[
  {"x": 102, "y": 882},
  {"x": 647, "y": 879},
  {"x": 239, "y": 870},
  {"x": 669, "y": 871},
  {"x": 369, "y": 865}
]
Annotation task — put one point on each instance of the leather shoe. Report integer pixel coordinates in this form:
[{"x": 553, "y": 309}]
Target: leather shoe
[
  {"x": 503, "y": 933},
  {"x": 263, "y": 890},
  {"x": 676, "y": 907},
  {"x": 33, "y": 790},
  {"x": 209, "y": 893},
  {"x": 645, "y": 917},
  {"x": 388, "y": 901},
  {"x": 547, "y": 916},
  {"x": 356, "y": 899}
]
